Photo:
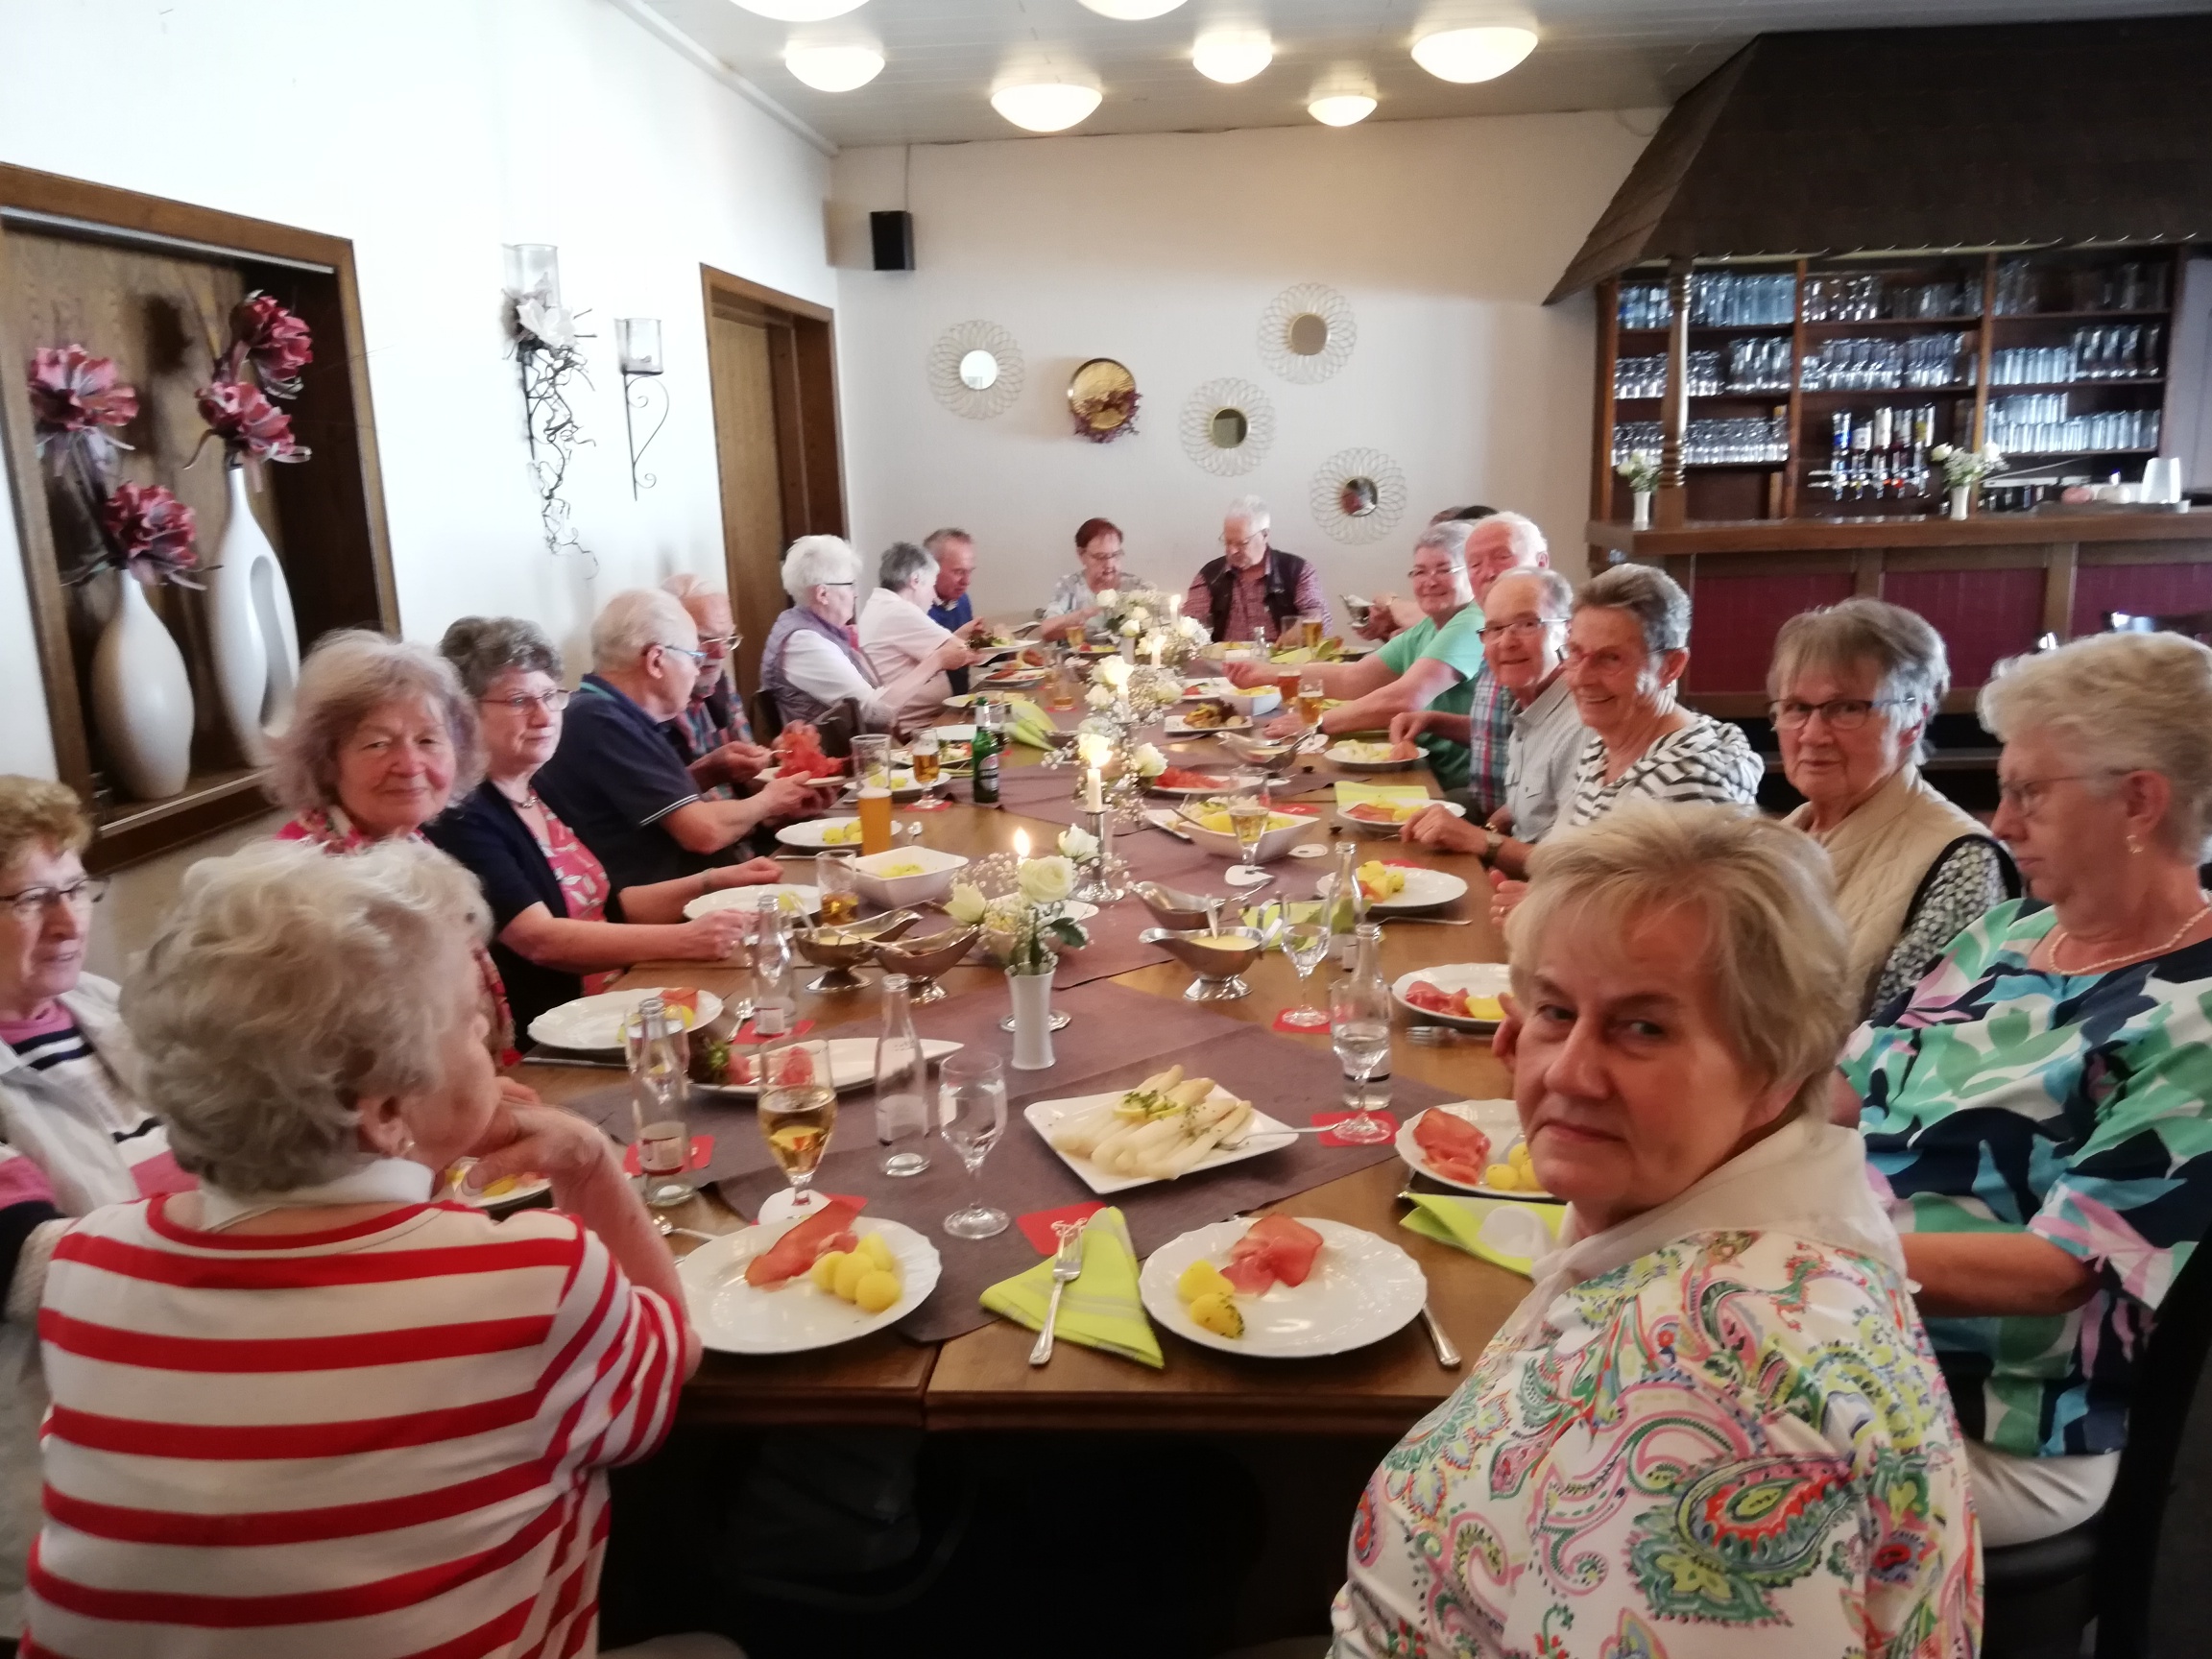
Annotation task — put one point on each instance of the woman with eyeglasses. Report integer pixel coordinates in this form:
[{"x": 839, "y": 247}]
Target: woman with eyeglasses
[
  {"x": 75, "y": 1132},
  {"x": 2037, "y": 1109},
  {"x": 811, "y": 660},
  {"x": 1853, "y": 686},
  {"x": 559, "y": 928}
]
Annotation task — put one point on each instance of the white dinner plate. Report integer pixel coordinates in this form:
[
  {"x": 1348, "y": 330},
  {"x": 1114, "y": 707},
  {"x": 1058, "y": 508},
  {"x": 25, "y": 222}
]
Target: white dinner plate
[
  {"x": 953, "y": 733},
  {"x": 1195, "y": 690},
  {"x": 525, "y": 1187},
  {"x": 852, "y": 1063},
  {"x": 1178, "y": 727},
  {"x": 1077, "y": 909},
  {"x": 597, "y": 1022},
  {"x": 1221, "y": 786},
  {"x": 1482, "y": 978},
  {"x": 1335, "y": 755},
  {"x": 1497, "y": 1118},
  {"x": 1016, "y": 677},
  {"x": 1261, "y": 1134},
  {"x": 734, "y": 1317},
  {"x": 1388, "y": 826},
  {"x": 1362, "y": 1288},
  {"x": 791, "y": 897},
  {"x": 1425, "y": 889},
  {"x": 808, "y": 835}
]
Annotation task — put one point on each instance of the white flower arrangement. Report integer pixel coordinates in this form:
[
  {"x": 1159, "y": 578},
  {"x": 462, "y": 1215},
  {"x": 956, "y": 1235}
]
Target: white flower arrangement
[
  {"x": 1964, "y": 466},
  {"x": 1641, "y": 469},
  {"x": 1079, "y": 845},
  {"x": 1101, "y": 696},
  {"x": 1029, "y": 920},
  {"x": 1148, "y": 760}
]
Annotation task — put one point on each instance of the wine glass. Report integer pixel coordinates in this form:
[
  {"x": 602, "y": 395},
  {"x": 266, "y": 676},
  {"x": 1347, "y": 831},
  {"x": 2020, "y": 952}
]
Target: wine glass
[
  {"x": 971, "y": 1116},
  {"x": 921, "y": 755},
  {"x": 1306, "y": 944},
  {"x": 1249, "y": 812},
  {"x": 798, "y": 1114},
  {"x": 1360, "y": 1026}
]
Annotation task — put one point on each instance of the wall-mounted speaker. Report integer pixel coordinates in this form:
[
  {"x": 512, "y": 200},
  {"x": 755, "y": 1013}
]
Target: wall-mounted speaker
[{"x": 893, "y": 233}]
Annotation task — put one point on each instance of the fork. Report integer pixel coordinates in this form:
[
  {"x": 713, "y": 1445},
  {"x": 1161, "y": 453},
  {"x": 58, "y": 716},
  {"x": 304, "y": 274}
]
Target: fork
[{"x": 1067, "y": 1267}]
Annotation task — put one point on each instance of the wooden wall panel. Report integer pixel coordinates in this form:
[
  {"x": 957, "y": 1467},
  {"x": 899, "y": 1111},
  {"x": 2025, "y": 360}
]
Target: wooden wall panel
[
  {"x": 1734, "y": 619},
  {"x": 1981, "y": 614},
  {"x": 2153, "y": 590}
]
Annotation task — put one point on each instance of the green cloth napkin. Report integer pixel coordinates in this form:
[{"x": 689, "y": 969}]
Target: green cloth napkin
[
  {"x": 1459, "y": 1222},
  {"x": 1265, "y": 916},
  {"x": 1100, "y": 1309}
]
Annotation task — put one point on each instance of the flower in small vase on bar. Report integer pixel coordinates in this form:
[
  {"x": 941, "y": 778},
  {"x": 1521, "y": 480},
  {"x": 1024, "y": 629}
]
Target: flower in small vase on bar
[
  {"x": 150, "y": 535},
  {"x": 77, "y": 408},
  {"x": 1642, "y": 471}
]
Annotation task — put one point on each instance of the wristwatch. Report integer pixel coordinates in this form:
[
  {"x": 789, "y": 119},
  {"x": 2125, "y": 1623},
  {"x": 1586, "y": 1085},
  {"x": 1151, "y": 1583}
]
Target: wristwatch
[{"x": 1490, "y": 847}]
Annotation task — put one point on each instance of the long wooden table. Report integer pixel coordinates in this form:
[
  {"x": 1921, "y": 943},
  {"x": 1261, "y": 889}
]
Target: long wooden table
[{"x": 983, "y": 1379}]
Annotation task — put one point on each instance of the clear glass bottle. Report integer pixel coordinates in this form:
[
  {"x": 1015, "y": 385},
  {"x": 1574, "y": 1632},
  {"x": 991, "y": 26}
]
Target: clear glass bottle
[
  {"x": 901, "y": 1085},
  {"x": 660, "y": 1088},
  {"x": 774, "y": 999},
  {"x": 1347, "y": 903},
  {"x": 1360, "y": 1029}
]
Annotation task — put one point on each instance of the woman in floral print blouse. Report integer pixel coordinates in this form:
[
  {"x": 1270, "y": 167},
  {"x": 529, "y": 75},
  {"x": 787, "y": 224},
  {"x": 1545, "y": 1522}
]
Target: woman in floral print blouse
[
  {"x": 1713, "y": 1429},
  {"x": 2038, "y": 1108}
]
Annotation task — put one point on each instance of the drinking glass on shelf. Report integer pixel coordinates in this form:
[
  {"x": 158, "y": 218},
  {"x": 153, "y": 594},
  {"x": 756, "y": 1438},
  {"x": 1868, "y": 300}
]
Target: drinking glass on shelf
[
  {"x": 970, "y": 1117},
  {"x": 1312, "y": 692},
  {"x": 840, "y": 895},
  {"x": 921, "y": 755},
  {"x": 1360, "y": 1027},
  {"x": 1306, "y": 944},
  {"x": 798, "y": 1112},
  {"x": 659, "y": 1056}
]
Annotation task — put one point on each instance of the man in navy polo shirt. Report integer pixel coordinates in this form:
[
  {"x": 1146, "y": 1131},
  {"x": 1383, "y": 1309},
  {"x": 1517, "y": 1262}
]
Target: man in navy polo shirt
[
  {"x": 616, "y": 781},
  {"x": 955, "y": 551}
]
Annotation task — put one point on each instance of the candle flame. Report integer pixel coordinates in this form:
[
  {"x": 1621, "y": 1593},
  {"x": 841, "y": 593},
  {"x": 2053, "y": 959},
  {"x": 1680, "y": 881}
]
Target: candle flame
[{"x": 1021, "y": 843}]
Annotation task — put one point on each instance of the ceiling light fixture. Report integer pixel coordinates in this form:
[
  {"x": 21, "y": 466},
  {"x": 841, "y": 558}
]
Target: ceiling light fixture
[
  {"x": 1045, "y": 106},
  {"x": 1469, "y": 55},
  {"x": 1341, "y": 109},
  {"x": 800, "y": 11},
  {"x": 1132, "y": 11},
  {"x": 835, "y": 68},
  {"x": 1230, "y": 58}
]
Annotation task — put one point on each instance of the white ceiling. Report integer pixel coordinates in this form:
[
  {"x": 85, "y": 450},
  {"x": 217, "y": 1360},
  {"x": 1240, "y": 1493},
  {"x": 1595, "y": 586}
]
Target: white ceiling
[{"x": 945, "y": 55}]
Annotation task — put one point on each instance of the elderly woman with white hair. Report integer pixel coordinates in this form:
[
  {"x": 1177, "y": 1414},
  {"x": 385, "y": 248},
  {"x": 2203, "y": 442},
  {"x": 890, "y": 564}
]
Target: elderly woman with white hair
[
  {"x": 811, "y": 660},
  {"x": 2037, "y": 1106},
  {"x": 1853, "y": 686},
  {"x": 900, "y": 642},
  {"x": 307, "y": 1395},
  {"x": 1714, "y": 1425}
]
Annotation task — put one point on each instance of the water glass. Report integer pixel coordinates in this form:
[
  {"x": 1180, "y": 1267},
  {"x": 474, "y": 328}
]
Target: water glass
[
  {"x": 970, "y": 1117},
  {"x": 834, "y": 881},
  {"x": 872, "y": 760}
]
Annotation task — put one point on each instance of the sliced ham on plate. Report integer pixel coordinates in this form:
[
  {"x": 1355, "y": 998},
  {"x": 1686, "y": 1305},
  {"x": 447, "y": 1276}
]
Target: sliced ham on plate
[
  {"x": 1276, "y": 1250},
  {"x": 828, "y": 1229},
  {"x": 1454, "y": 1148}
]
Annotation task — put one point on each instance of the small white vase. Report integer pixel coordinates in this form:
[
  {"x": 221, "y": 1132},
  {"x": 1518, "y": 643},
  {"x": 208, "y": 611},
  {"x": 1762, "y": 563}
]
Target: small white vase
[
  {"x": 1642, "y": 498},
  {"x": 142, "y": 699},
  {"x": 1032, "y": 995},
  {"x": 1961, "y": 499},
  {"x": 251, "y": 631}
]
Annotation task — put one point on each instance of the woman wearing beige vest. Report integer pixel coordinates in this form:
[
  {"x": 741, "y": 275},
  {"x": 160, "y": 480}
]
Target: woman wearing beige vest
[{"x": 1853, "y": 686}]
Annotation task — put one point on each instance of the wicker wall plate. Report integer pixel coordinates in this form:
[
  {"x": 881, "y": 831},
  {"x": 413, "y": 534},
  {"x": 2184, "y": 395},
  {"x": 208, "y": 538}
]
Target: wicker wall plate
[
  {"x": 954, "y": 370},
  {"x": 1307, "y": 333},
  {"x": 1228, "y": 426},
  {"x": 1357, "y": 496}
]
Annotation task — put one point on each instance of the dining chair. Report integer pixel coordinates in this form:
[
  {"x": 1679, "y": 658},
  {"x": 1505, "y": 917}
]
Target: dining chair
[
  {"x": 2138, "y": 1569},
  {"x": 767, "y": 718}
]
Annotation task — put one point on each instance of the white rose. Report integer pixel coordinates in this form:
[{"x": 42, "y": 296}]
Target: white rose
[
  {"x": 1100, "y": 697},
  {"x": 1113, "y": 672},
  {"x": 1941, "y": 452},
  {"x": 1106, "y": 598},
  {"x": 1148, "y": 760},
  {"x": 1991, "y": 452},
  {"x": 1191, "y": 628},
  {"x": 966, "y": 905},
  {"x": 1047, "y": 880},
  {"x": 1137, "y": 613},
  {"x": 1128, "y": 629},
  {"x": 1079, "y": 845}
]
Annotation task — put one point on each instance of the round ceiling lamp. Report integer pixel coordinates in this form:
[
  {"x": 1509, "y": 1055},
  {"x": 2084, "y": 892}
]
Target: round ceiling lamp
[
  {"x": 1045, "y": 106},
  {"x": 835, "y": 68},
  {"x": 800, "y": 11},
  {"x": 1341, "y": 109},
  {"x": 1132, "y": 11},
  {"x": 1231, "y": 58},
  {"x": 1470, "y": 55}
]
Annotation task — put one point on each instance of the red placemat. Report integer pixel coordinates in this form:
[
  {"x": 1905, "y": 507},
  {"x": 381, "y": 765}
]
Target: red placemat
[
  {"x": 700, "y": 1154},
  {"x": 1320, "y": 1030},
  {"x": 1320, "y": 1118},
  {"x": 1037, "y": 1225},
  {"x": 745, "y": 1034}
]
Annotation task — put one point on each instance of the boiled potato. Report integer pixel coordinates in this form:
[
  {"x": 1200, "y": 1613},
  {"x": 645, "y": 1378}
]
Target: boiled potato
[
  {"x": 1218, "y": 1313},
  {"x": 875, "y": 1291},
  {"x": 1506, "y": 1177},
  {"x": 1203, "y": 1279},
  {"x": 878, "y": 1252},
  {"x": 824, "y": 1271},
  {"x": 850, "y": 1272}
]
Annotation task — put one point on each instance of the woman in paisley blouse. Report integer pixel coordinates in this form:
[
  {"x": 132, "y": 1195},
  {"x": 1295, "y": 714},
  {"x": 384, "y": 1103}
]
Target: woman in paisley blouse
[
  {"x": 1713, "y": 1429},
  {"x": 550, "y": 899},
  {"x": 2038, "y": 1106}
]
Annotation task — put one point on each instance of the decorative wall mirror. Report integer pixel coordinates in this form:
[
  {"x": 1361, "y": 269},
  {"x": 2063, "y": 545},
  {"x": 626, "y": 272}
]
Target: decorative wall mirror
[
  {"x": 976, "y": 369},
  {"x": 1307, "y": 333},
  {"x": 1357, "y": 496},
  {"x": 1228, "y": 426},
  {"x": 1102, "y": 398}
]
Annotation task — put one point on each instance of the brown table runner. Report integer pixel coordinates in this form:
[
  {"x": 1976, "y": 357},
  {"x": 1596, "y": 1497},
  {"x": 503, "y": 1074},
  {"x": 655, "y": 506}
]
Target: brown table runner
[{"x": 1118, "y": 1038}]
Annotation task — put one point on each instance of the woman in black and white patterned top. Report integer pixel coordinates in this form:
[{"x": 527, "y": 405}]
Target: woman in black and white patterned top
[{"x": 1628, "y": 645}]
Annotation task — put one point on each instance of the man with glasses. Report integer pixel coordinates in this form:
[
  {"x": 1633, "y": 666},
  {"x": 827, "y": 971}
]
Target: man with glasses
[
  {"x": 1253, "y": 590},
  {"x": 1525, "y": 644},
  {"x": 712, "y": 736},
  {"x": 614, "y": 779}
]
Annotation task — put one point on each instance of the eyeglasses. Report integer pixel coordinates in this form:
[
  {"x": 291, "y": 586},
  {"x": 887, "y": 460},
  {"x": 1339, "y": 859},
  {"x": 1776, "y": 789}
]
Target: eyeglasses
[
  {"x": 1842, "y": 714},
  {"x": 1521, "y": 628},
  {"x": 722, "y": 641},
  {"x": 552, "y": 702},
  {"x": 1239, "y": 543},
  {"x": 2025, "y": 796},
  {"x": 685, "y": 651},
  {"x": 1603, "y": 662},
  {"x": 1433, "y": 573},
  {"x": 31, "y": 902}
]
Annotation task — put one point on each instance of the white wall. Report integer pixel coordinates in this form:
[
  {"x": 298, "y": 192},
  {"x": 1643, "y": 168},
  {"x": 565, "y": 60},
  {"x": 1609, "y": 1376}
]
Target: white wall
[
  {"x": 429, "y": 132},
  {"x": 1162, "y": 251}
]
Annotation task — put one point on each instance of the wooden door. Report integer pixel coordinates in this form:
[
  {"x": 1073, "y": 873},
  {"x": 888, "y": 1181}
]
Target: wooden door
[
  {"x": 771, "y": 361},
  {"x": 752, "y": 537}
]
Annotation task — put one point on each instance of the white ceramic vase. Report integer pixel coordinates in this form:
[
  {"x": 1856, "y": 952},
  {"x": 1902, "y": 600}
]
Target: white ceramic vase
[
  {"x": 142, "y": 699},
  {"x": 1642, "y": 498},
  {"x": 1961, "y": 499},
  {"x": 251, "y": 635},
  {"x": 1032, "y": 995}
]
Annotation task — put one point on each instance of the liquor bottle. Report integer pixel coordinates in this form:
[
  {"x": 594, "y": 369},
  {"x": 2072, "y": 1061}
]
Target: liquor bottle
[
  {"x": 902, "y": 1086},
  {"x": 1923, "y": 439},
  {"x": 1839, "y": 454},
  {"x": 775, "y": 1002},
  {"x": 1881, "y": 439},
  {"x": 1864, "y": 482},
  {"x": 984, "y": 755}
]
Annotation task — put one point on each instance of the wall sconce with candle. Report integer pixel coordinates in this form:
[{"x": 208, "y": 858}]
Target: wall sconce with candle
[
  {"x": 637, "y": 346},
  {"x": 544, "y": 335}
]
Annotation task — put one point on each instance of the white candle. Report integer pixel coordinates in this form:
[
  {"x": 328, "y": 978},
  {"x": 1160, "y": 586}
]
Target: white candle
[
  {"x": 1174, "y": 605},
  {"x": 1092, "y": 800},
  {"x": 1022, "y": 844},
  {"x": 1154, "y": 641}
]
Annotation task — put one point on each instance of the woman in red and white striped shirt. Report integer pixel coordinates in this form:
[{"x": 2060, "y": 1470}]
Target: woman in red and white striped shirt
[{"x": 305, "y": 1411}]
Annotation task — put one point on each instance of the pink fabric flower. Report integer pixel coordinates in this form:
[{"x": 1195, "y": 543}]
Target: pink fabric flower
[
  {"x": 275, "y": 340},
  {"x": 250, "y": 427},
  {"x": 75, "y": 402},
  {"x": 151, "y": 532}
]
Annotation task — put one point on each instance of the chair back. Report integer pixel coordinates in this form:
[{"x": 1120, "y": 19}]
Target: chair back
[
  {"x": 767, "y": 718},
  {"x": 2155, "y": 1536}
]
